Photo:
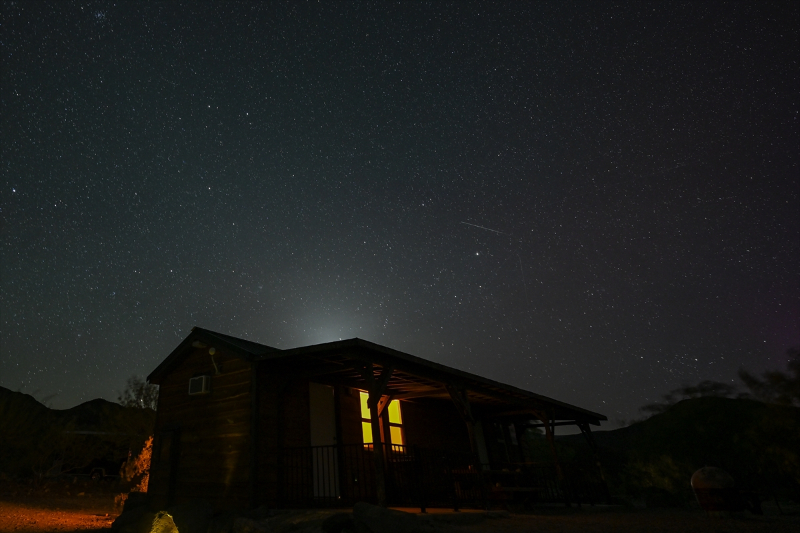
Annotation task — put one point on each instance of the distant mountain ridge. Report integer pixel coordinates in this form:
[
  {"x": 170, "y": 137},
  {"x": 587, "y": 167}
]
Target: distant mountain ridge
[
  {"x": 757, "y": 443},
  {"x": 32, "y": 435}
]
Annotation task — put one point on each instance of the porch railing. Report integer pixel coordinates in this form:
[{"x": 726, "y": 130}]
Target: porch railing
[{"x": 330, "y": 476}]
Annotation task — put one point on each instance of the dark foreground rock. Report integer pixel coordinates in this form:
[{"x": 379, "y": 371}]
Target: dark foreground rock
[
  {"x": 339, "y": 523},
  {"x": 197, "y": 517},
  {"x": 374, "y": 519},
  {"x": 191, "y": 517},
  {"x": 128, "y": 521},
  {"x": 140, "y": 520}
]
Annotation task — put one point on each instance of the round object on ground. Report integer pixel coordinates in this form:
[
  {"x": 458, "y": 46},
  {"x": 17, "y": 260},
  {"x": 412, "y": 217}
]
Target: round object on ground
[
  {"x": 716, "y": 491},
  {"x": 710, "y": 477}
]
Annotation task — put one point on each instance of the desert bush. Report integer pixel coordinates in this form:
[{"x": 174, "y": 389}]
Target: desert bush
[{"x": 136, "y": 472}]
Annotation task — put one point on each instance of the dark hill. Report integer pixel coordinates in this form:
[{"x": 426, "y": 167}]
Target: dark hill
[
  {"x": 32, "y": 435},
  {"x": 757, "y": 443}
]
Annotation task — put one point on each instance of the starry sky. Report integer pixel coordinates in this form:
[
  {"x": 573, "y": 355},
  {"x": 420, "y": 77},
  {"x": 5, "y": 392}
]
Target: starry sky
[{"x": 593, "y": 201}]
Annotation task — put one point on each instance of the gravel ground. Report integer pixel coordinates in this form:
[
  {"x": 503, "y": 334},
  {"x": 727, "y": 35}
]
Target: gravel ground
[
  {"x": 623, "y": 521},
  {"x": 45, "y": 513},
  {"x": 41, "y": 515}
]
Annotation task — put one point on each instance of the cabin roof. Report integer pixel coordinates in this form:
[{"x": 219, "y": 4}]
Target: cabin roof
[
  {"x": 412, "y": 377},
  {"x": 243, "y": 348}
]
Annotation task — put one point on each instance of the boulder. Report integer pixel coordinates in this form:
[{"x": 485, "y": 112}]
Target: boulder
[
  {"x": 374, "y": 519},
  {"x": 221, "y": 523},
  {"x": 243, "y": 524},
  {"x": 128, "y": 520},
  {"x": 716, "y": 491},
  {"x": 260, "y": 513},
  {"x": 134, "y": 500},
  {"x": 161, "y": 522},
  {"x": 710, "y": 477},
  {"x": 192, "y": 517},
  {"x": 339, "y": 523},
  {"x": 140, "y": 520}
]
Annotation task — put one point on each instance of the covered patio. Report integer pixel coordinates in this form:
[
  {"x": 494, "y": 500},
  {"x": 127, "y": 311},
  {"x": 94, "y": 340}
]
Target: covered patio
[{"x": 489, "y": 466}]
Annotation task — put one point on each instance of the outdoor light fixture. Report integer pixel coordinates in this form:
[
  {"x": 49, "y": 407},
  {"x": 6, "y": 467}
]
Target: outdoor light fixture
[{"x": 211, "y": 352}]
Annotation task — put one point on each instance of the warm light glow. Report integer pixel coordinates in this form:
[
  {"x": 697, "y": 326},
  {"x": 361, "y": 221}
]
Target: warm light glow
[
  {"x": 366, "y": 430},
  {"x": 364, "y": 405},
  {"x": 394, "y": 414},
  {"x": 395, "y": 421},
  {"x": 397, "y": 435}
]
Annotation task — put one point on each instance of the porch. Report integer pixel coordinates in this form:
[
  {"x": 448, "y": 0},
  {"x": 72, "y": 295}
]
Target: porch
[{"x": 340, "y": 476}]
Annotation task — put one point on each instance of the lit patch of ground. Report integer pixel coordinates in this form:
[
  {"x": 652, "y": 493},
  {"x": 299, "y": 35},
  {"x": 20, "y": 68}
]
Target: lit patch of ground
[{"x": 45, "y": 515}]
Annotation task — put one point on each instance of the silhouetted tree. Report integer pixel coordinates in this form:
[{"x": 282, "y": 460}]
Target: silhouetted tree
[
  {"x": 775, "y": 386},
  {"x": 703, "y": 389},
  {"x": 139, "y": 393}
]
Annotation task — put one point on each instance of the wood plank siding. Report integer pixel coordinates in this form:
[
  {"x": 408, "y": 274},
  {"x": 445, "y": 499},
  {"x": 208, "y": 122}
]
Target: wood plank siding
[
  {"x": 283, "y": 422},
  {"x": 208, "y": 434},
  {"x": 434, "y": 423}
]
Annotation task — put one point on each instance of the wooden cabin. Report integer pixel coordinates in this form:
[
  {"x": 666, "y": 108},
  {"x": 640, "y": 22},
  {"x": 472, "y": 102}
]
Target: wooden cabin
[{"x": 240, "y": 425}]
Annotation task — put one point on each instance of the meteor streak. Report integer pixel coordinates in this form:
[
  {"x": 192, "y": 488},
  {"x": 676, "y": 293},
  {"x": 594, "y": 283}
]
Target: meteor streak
[{"x": 487, "y": 229}]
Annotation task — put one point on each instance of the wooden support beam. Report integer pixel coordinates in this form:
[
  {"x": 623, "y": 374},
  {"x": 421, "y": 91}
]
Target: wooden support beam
[
  {"x": 587, "y": 433},
  {"x": 254, "y": 448},
  {"x": 474, "y": 429},
  {"x": 553, "y": 424},
  {"x": 382, "y": 383},
  {"x": 384, "y": 401},
  {"x": 549, "y": 430},
  {"x": 516, "y": 412},
  {"x": 420, "y": 394},
  {"x": 376, "y": 388},
  {"x": 460, "y": 399}
]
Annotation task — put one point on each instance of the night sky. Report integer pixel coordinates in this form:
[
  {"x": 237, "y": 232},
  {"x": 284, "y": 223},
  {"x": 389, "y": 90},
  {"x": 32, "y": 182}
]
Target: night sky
[{"x": 596, "y": 202}]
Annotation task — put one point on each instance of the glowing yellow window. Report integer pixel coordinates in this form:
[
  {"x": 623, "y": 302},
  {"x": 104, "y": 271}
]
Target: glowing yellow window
[
  {"x": 366, "y": 426},
  {"x": 395, "y": 421},
  {"x": 394, "y": 413}
]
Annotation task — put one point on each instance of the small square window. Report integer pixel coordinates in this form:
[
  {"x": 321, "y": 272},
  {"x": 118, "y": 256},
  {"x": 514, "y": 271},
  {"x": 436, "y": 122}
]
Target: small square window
[{"x": 200, "y": 385}]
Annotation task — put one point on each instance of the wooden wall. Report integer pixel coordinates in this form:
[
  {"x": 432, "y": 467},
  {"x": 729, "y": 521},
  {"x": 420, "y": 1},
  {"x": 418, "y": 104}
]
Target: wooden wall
[
  {"x": 434, "y": 423},
  {"x": 205, "y": 439},
  {"x": 350, "y": 415},
  {"x": 283, "y": 422},
  {"x": 211, "y": 431}
]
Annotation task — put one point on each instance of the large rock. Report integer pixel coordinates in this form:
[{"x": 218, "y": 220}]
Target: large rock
[
  {"x": 134, "y": 500},
  {"x": 140, "y": 520},
  {"x": 243, "y": 524},
  {"x": 128, "y": 521},
  {"x": 221, "y": 523},
  {"x": 339, "y": 523},
  {"x": 191, "y": 517},
  {"x": 374, "y": 519},
  {"x": 161, "y": 522}
]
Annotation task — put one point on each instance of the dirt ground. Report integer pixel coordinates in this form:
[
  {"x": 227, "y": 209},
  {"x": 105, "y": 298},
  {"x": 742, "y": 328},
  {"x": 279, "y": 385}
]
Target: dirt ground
[
  {"x": 629, "y": 520},
  {"x": 56, "y": 512},
  {"x": 44, "y": 515},
  {"x": 63, "y": 506}
]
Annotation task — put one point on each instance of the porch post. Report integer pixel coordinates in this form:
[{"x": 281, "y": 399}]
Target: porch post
[
  {"x": 475, "y": 430},
  {"x": 254, "y": 448},
  {"x": 376, "y": 390},
  {"x": 459, "y": 397},
  {"x": 587, "y": 432},
  {"x": 550, "y": 435},
  {"x": 549, "y": 430}
]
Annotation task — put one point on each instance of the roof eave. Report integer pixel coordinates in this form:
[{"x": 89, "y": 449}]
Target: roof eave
[{"x": 585, "y": 415}]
